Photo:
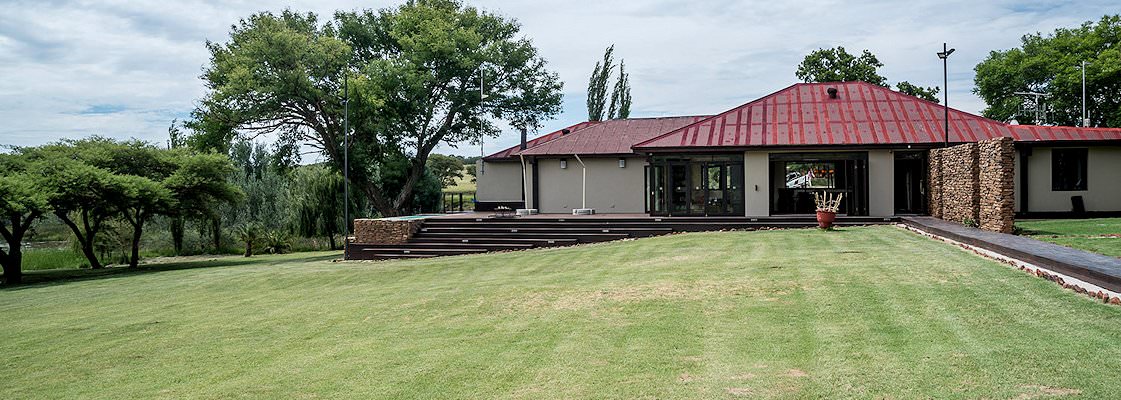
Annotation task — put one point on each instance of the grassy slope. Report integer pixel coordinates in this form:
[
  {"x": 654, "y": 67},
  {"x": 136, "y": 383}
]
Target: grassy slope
[
  {"x": 861, "y": 313},
  {"x": 1085, "y": 234}
]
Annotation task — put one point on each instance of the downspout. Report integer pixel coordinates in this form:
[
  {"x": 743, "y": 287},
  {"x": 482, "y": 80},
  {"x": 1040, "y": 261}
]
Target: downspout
[
  {"x": 1025, "y": 153},
  {"x": 583, "y": 182},
  {"x": 525, "y": 184}
]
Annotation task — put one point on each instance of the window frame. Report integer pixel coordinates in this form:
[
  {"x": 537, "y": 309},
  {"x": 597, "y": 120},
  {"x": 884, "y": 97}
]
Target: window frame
[{"x": 1059, "y": 174}]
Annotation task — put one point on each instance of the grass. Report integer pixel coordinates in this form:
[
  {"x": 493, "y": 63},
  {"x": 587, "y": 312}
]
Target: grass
[
  {"x": 463, "y": 184},
  {"x": 1099, "y": 235},
  {"x": 52, "y": 258},
  {"x": 859, "y": 313}
]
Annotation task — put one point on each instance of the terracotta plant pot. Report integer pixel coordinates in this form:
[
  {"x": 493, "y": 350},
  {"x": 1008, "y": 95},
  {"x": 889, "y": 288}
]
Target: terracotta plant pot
[{"x": 825, "y": 219}]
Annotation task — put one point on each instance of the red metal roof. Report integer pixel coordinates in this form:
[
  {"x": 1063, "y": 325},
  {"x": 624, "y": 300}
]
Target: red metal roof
[
  {"x": 1029, "y": 133},
  {"x": 609, "y": 137},
  {"x": 862, "y": 114},
  {"x": 508, "y": 152}
]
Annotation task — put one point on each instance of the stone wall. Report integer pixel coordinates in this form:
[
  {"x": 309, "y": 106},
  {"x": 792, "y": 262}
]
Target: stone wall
[
  {"x": 960, "y": 186},
  {"x": 974, "y": 182},
  {"x": 996, "y": 178},
  {"x": 381, "y": 231},
  {"x": 935, "y": 182}
]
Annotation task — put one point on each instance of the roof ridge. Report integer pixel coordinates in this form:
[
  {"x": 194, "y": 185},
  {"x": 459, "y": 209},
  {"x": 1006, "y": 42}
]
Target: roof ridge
[
  {"x": 703, "y": 120},
  {"x": 581, "y": 127}
]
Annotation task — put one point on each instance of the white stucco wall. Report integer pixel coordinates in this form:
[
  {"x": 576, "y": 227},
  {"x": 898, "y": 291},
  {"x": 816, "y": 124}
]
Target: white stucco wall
[
  {"x": 1103, "y": 181},
  {"x": 498, "y": 181},
  {"x": 610, "y": 189}
]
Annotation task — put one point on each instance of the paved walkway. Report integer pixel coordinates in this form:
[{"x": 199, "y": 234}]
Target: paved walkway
[{"x": 1094, "y": 268}]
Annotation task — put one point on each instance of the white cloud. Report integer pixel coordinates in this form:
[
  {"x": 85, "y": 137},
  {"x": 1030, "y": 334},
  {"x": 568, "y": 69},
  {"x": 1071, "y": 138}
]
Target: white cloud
[{"x": 137, "y": 64}]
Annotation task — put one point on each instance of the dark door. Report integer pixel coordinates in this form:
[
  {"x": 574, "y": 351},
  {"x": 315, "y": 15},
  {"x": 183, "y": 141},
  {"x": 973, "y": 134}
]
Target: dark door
[
  {"x": 679, "y": 189},
  {"x": 910, "y": 182}
]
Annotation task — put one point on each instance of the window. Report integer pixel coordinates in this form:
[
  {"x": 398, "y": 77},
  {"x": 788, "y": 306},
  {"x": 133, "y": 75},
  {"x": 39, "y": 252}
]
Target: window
[
  {"x": 819, "y": 175},
  {"x": 1068, "y": 169}
]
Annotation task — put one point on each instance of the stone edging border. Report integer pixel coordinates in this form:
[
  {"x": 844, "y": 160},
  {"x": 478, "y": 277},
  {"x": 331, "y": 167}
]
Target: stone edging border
[{"x": 1068, "y": 282}]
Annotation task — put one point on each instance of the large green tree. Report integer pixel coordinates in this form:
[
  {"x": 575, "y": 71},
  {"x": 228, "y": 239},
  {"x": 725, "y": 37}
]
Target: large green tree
[
  {"x": 1051, "y": 64},
  {"x": 22, "y": 201},
  {"x": 414, "y": 76},
  {"x": 838, "y": 65},
  {"x": 83, "y": 197}
]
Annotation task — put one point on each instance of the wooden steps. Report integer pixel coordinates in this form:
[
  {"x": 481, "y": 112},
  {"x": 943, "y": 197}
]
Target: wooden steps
[{"x": 473, "y": 235}]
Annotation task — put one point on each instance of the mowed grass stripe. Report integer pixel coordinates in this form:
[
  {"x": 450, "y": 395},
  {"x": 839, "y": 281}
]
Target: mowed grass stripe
[{"x": 857, "y": 313}]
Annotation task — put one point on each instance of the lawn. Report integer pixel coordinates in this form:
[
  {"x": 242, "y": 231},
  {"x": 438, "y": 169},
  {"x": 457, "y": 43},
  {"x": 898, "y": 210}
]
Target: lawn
[
  {"x": 872, "y": 312},
  {"x": 1099, "y": 235}
]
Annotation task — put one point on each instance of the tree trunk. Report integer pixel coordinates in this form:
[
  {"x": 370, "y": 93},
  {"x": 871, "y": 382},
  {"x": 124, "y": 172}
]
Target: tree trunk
[
  {"x": 13, "y": 272},
  {"x": 249, "y": 248},
  {"x": 331, "y": 237},
  {"x": 91, "y": 256},
  {"x": 85, "y": 239},
  {"x": 177, "y": 230},
  {"x": 137, "y": 230},
  {"x": 216, "y": 228}
]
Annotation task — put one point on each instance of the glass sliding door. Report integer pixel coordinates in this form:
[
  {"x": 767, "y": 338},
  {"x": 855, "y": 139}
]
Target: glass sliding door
[
  {"x": 697, "y": 185},
  {"x": 796, "y": 177},
  {"x": 657, "y": 185},
  {"x": 679, "y": 189}
]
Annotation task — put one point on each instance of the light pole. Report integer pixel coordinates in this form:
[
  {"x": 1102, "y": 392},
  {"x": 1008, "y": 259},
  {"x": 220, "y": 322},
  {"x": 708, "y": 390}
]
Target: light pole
[
  {"x": 945, "y": 54},
  {"x": 346, "y": 155},
  {"x": 1085, "y": 117}
]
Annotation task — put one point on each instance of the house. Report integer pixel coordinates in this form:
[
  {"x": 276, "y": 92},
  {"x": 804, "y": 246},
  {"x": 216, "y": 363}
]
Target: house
[{"x": 767, "y": 158}]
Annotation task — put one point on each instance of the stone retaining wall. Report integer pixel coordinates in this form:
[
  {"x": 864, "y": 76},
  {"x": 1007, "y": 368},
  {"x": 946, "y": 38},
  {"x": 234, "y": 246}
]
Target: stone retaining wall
[
  {"x": 974, "y": 182},
  {"x": 380, "y": 231}
]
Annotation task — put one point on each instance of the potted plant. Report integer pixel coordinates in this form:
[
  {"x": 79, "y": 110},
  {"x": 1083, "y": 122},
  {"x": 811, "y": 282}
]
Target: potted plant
[{"x": 827, "y": 207}]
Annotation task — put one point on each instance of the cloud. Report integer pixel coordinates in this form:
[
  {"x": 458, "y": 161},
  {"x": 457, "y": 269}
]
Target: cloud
[{"x": 126, "y": 69}]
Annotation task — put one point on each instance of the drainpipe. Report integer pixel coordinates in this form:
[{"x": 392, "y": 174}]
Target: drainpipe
[
  {"x": 525, "y": 184},
  {"x": 583, "y": 183}
]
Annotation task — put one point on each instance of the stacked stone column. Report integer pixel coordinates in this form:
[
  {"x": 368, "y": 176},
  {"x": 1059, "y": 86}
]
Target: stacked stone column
[{"x": 974, "y": 182}]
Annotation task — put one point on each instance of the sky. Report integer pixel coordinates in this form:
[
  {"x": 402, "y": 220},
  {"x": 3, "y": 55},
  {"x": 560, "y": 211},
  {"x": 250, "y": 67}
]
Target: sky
[{"x": 126, "y": 69}]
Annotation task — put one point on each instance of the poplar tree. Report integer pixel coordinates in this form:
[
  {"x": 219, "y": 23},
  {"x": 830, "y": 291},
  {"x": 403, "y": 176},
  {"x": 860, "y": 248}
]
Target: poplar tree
[
  {"x": 621, "y": 96},
  {"x": 597, "y": 85}
]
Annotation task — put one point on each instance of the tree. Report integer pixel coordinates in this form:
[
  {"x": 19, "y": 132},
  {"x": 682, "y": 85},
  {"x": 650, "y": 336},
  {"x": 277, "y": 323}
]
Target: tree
[
  {"x": 414, "y": 74},
  {"x": 1051, "y": 64},
  {"x": 619, "y": 106},
  {"x": 597, "y": 85},
  {"x": 141, "y": 199},
  {"x": 248, "y": 234},
  {"x": 928, "y": 93},
  {"x": 446, "y": 168},
  {"x": 200, "y": 184},
  {"x": 317, "y": 202},
  {"x": 22, "y": 202},
  {"x": 84, "y": 197},
  {"x": 837, "y": 65},
  {"x": 621, "y": 97}
]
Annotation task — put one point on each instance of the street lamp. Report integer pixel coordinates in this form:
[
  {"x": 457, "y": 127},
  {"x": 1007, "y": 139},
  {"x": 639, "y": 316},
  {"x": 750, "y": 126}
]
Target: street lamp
[
  {"x": 945, "y": 54},
  {"x": 346, "y": 155}
]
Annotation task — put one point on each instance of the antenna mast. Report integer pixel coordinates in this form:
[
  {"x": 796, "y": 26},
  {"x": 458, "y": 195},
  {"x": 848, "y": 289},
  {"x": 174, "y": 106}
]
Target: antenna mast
[{"x": 1037, "y": 103}]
